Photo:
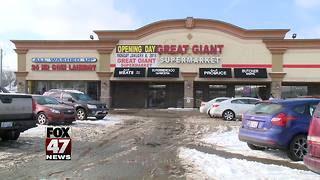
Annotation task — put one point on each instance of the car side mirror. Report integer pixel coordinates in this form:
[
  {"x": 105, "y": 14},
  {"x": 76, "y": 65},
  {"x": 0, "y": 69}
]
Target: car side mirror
[{"x": 70, "y": 100}]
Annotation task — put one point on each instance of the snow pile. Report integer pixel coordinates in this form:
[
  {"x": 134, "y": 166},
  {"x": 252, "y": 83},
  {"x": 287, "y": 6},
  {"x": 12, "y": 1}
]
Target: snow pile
[
  {"x": 107, "y": 121},
  {"x": 208, "y": 166},
  {"x": 180, "y": 109},
  {"x": 38, "y": 131},
  {"x": 229, "y": 141}
]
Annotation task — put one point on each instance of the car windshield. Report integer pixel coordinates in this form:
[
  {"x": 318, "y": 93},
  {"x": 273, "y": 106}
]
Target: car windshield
[
  {"x": 43, "y": 100},
  {"x": 81, "y": 97},
  {"x": 266, "y": 108}
]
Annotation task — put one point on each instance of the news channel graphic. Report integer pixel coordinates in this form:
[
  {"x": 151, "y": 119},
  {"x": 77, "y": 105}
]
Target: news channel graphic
[{"x": 58, "y": 143}]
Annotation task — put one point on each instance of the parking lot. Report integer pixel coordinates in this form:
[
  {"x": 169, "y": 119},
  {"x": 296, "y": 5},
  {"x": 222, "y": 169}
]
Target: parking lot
[{"x": 148, "y": 144}]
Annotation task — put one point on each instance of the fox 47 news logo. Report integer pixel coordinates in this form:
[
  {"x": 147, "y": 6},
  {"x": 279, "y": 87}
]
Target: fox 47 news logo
[{"x": 58, "y": 143}]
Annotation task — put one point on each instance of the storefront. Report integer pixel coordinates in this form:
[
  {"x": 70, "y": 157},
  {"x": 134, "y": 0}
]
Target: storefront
[{"x": 173, "y": 63}]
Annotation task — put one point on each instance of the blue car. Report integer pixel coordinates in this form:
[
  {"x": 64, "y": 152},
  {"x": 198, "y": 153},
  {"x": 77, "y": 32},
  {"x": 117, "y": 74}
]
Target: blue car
[{"x": 279, "y": 124}]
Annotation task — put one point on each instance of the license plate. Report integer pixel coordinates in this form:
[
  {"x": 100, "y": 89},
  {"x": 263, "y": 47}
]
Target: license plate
[
  {"x": 253, "y": 124},
  {"x": 104, "y": 112},
  {"x": 6, "y": 124}
]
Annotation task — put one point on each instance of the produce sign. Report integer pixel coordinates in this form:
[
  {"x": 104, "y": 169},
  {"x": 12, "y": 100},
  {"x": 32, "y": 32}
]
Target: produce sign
[{"x": 215, "y": 73}]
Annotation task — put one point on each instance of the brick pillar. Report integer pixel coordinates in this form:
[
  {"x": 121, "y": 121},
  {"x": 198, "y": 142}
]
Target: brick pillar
[
  {"x": 22, "y": 73},
  {"x": 22, "y": 82},
  {"x": 104, "y": 72},
  {"x": 276, "y": 84},
  {"x": 188, "y": 89},
  {"x": 277, "y": 73},
  {"x": 105, "y": 87}
]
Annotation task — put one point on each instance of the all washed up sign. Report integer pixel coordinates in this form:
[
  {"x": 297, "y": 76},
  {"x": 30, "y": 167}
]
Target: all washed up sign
[
  {"x": 64, "y": 59},
  {"x": 136, "y": 56}
]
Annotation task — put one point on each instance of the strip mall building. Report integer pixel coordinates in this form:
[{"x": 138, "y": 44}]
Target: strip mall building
[{"x": 173, "y": 63}]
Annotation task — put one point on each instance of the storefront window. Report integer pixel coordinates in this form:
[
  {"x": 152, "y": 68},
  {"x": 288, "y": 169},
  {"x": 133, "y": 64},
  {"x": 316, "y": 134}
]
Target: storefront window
[
  {"x": 91, "y": 88},
  {"x": 198, "y": 97},
  {"x": 247, "y": 91},
  {"x": 217, "y": 91},
  {"x": 294, "y": 91}
]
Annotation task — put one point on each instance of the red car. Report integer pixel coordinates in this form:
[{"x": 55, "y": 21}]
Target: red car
[
  {"x": 50, "y": 111},
  {"x": 312, "y": 159}
]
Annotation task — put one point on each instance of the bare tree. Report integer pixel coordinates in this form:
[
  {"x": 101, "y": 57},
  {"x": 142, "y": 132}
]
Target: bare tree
[{"x": 8, "y": 78}]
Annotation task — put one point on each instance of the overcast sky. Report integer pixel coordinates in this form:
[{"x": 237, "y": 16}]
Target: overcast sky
[{"x": 76, "y": 19}]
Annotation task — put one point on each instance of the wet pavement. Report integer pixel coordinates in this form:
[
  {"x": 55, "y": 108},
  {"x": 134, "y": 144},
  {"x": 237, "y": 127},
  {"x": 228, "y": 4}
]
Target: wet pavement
[{"x": 142, "y": 146}]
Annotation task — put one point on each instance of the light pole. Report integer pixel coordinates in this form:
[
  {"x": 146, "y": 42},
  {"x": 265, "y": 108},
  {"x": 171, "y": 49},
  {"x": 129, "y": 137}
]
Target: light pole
[{"x": 0, "y": 67}]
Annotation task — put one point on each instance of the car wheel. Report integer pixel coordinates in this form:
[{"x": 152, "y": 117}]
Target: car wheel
[
  {"x": 100, "y": 117},
  {"x": 81, "y": 114},
  {"x": 228, "y": 115},
  {"x": 254, "y": 147},
  {"x": 42, "y": 119},
  {"x": 298, "y": 148},
  {"x": 10, "y": 135},
  {"x": 212, "y": 116}
]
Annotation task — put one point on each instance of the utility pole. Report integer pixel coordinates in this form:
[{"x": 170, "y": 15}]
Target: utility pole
[{"x": 1, "y": 67}]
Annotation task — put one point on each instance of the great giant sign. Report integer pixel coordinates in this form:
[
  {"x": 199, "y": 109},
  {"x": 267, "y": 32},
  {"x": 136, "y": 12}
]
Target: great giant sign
[
  {"x": 136, "y": 56},
  {"x": 149, "y": 55}
]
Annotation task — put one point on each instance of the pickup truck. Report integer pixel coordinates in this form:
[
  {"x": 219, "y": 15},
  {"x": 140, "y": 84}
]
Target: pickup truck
[{"x": 16, "y": 115}]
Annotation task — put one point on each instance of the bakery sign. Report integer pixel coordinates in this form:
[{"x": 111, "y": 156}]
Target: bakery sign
[
  {"x": 163, "y": 72},
  {"x": 64, "y": 64},
  {"x": 152, "y": 55}
]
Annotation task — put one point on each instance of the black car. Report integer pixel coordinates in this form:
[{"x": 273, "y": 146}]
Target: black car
[{"x": 84, "y": 104}]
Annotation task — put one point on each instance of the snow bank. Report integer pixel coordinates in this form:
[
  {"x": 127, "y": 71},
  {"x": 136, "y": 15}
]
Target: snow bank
[
  {"x": 39, "y": 131},
  {"x": 228, "y": 141},
  {"x": 181, "y": 109},
  {"x": 208, "y": 166},
  {"x": 107, "y": 121}
]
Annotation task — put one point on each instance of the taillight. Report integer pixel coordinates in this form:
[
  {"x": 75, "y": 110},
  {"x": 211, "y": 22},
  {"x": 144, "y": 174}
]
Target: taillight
[
  {"x": 33, "y": 105},
  {"x": 314, "y": 131},
  {"x": 215, "y": 105},
  {"x": 281, "y": 119}
]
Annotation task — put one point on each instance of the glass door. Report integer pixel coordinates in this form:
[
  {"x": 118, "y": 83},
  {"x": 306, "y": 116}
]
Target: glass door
[{"x": 156, "y": 96}]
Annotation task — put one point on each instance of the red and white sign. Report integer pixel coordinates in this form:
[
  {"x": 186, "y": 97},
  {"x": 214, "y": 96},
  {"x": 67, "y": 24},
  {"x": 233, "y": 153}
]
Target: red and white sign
[
  {"x": 136, "y": 60},
  {"x": 58, "y": 143},
  {"x": 149, "y": 55},
  {"x": 63, "y": 67}
]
